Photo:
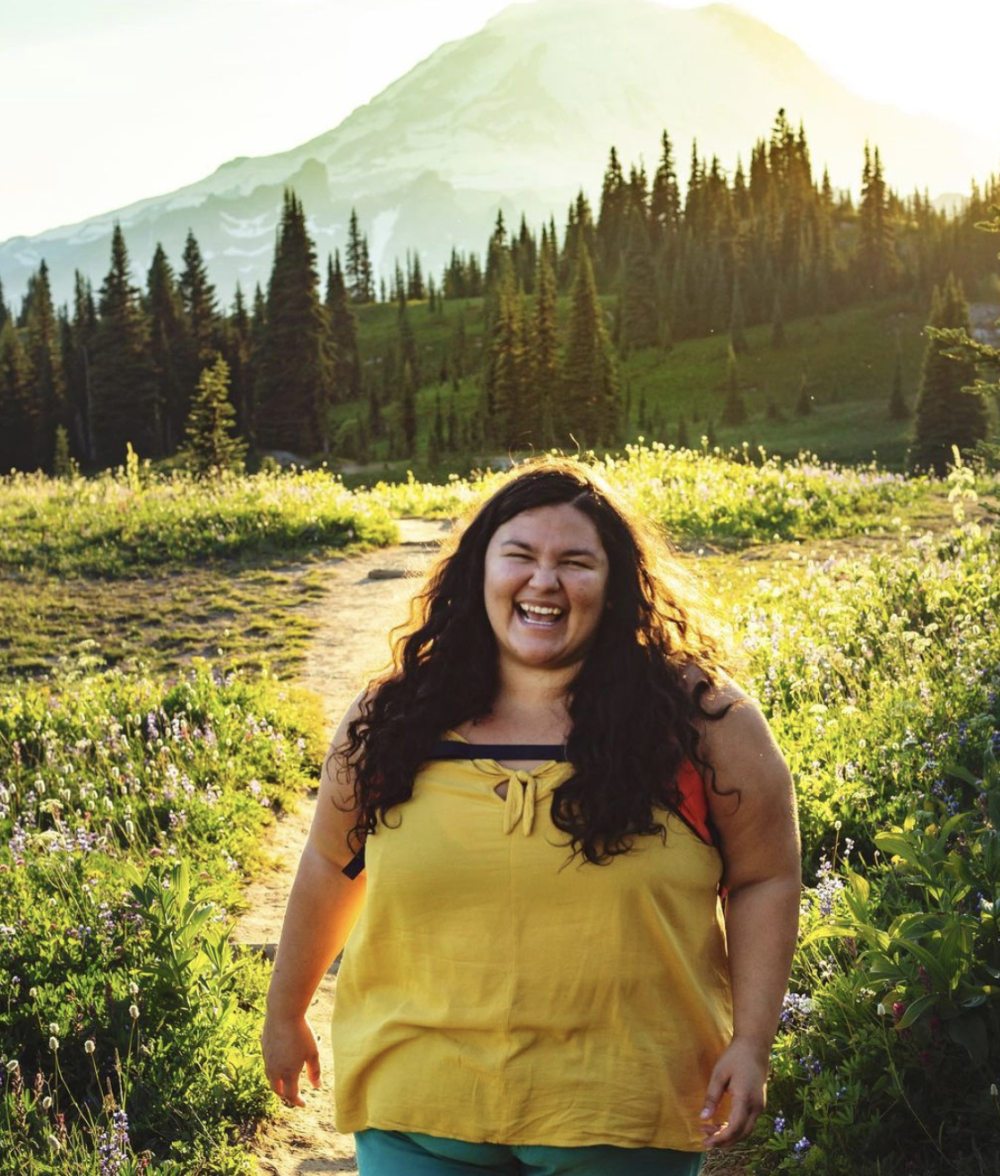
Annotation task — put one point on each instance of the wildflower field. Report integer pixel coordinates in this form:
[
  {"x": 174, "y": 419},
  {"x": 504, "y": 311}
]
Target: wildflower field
[{"x": 133, "y": 800}]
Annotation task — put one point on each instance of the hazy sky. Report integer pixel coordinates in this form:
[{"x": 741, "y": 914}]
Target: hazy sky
[{"x": 109, "y": 101}]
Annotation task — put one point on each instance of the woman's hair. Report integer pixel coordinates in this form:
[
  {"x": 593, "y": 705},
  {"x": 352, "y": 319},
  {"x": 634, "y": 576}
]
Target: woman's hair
[{"x": 631, "y": 707}]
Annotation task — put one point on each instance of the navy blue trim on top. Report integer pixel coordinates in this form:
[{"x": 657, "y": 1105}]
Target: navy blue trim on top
[{"x": 454, "y": 749}]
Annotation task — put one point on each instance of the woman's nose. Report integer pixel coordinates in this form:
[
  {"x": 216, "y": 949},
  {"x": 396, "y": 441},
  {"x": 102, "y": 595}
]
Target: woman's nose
[{"x": 544, "y": 577}]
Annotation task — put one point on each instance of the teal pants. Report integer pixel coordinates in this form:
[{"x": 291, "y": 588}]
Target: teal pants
[{"x": 398, "y": 1153}]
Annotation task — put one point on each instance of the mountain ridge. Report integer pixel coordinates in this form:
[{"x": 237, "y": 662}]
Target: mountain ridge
[{"x": 515, "y": 118}]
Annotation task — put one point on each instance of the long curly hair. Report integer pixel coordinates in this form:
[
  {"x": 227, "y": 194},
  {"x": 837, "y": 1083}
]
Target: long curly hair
[{"x": 632, "y": 711}]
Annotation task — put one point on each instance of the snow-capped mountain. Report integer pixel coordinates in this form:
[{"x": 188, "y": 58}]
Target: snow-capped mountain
[{"x": 517, "y": 117}]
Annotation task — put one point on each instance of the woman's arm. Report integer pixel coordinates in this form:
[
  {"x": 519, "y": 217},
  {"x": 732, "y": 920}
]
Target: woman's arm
[
  {"x": 760, "y": 848},
  {"x": 322, "y": 908}
]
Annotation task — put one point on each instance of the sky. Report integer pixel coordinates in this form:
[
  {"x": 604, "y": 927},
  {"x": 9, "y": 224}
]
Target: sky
[{"x": 110, "y": 101}]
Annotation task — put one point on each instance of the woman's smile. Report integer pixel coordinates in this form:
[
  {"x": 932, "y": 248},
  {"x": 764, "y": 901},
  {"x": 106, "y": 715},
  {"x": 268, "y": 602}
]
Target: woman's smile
[{"x": 545, "y": 586}]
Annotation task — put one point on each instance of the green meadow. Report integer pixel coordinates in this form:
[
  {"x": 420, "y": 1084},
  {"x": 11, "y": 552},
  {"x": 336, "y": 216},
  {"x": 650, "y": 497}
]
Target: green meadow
[{"x": 148, "y": 735}]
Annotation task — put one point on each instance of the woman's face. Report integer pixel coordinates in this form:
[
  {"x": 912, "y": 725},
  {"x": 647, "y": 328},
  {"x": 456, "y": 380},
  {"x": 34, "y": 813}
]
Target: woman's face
[{"x": 545, "y": 587}]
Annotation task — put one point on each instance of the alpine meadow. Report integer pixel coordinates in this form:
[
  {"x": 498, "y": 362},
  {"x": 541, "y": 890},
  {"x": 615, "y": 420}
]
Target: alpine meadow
[{"x": 796, "y": 383}]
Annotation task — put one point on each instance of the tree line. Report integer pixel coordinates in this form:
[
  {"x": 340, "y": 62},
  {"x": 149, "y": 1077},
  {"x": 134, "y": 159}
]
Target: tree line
[{"x": 126, "y": 365}]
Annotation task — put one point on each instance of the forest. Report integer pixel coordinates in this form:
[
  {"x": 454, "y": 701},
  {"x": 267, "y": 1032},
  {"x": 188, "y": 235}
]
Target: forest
[{"x": 548, "y": 338}]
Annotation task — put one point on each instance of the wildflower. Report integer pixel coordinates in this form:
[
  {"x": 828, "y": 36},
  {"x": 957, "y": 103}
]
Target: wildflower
[
  {"x": 881, "y": 1009},
  {"x": 47, "y": 1103},
  {"x": 779, "y": 1125},
  {"x": 54, "y": 1143},
  {"x": 802, "y": 1147},
  {"x": 993, "y": 1090},
  {"x": 54, "y": 1029},
  {"x": 13, "y": 1066},
  {"x": 54, "y": 1044},
  {"x": 133, "y": 1012},
  {"x": 32, "y": 992},
  {"x": 89, "y": 1046},
  {"x": 133, "y": 988}
]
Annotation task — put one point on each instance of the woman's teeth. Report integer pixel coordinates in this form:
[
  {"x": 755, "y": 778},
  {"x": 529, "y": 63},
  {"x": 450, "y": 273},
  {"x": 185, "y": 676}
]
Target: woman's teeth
[{"x": 539, "y": 614}]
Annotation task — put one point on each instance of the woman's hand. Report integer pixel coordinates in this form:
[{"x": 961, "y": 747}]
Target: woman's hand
[
  {"x": 741, "y": 1072},
  {"x": 288, "y": 1045}
]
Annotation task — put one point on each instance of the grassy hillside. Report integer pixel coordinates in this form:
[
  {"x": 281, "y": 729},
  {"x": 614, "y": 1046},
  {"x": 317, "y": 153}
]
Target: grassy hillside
[{"x": 845, "y": 360}]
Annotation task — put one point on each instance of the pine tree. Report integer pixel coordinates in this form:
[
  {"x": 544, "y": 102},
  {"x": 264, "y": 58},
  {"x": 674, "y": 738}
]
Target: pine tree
[
  {"x": 505, "y": 377},
  {"x": 612, "y": 222},
  {"x": 354, "y": 262},
  {"x": 201, "y": 311},
  {"x": 945, "y": 416},
  {"x": 875, "y": 258},
  {"x": 639, "y": 311},
  {"x": 543, "y": 351},
  {"x": 171, "y": 349},
  {"x": 899, "y": 410},
  {"x": 295, "y": 371},
  {"x": 665, "y": 201},
  {"x": 78, "y": 352},
  {"x": 123, "y": 379},
  {"x": 4, "y": 312},
  {"x": 734, "y": 411},
  {"x": 237, "y": 351},
  {"x": 20, "y": 410},
  {"x": 210, "y": 449},
  {"x": 737, "y": 321},
  {"x": 409, "y": 413},
  {"x": 590, "y": 374},
  {"x": 42, "y": 344},
  {"x": 343, "y": 332}
]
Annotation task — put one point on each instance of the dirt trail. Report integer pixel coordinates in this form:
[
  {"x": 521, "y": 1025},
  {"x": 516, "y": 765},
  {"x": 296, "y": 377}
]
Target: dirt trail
[{"x": 368, "y": 595}]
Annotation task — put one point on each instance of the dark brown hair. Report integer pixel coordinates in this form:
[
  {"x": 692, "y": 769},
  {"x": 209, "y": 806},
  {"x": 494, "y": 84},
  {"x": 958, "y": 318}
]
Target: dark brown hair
[{"x": 632, "y": 708}]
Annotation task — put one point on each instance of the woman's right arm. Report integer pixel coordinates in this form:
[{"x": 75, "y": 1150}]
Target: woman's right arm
[{"x": 322, "y": 908}]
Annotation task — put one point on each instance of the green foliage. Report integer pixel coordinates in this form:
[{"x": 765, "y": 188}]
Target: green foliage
[
  {"x": 130, "y": 812},
  {"x": 879, "y": 678},
  {"x": 125, "y": 408},
  {"x": 294, "y": 383},
  {"x": 590, "y": 400},
  {"x": 210, "y": 449},
  {"x": 946, "y": 416},
  {"x": 129, "y": 521}
]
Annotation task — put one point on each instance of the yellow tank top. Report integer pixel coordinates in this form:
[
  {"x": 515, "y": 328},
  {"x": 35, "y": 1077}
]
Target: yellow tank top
[{"x": 494, "y": 991}]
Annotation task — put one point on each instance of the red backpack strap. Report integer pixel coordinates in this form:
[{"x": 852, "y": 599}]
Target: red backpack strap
[{"x": 692, "y": 802}]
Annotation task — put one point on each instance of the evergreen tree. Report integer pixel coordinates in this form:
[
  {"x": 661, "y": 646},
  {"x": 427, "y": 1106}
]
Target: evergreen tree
[
  {"x": 170, "y": 348},
  {"x": 639, "y": 311},
  {"x": 20, "y": 410},
  {"x": 778, "y": 337},
  {"x": 409, "y": 413},
  {"x": 78, "y": 352},
  {"x": 734, "y": 411},
  {"x": 899, "y": 410},
  {"x": 201, "y": 311},
  {"x": 505, "y": 376},
  {"x": 543, "y": 350},
  {"x": 4, "y": 312},
  {"x": 354, "y": 262},
  {"x": 237, "y": 351},
  {"x": 590, "y": 374},
  {"x": 876, "y": 259},
  {"x": 945, "y": 416},
  {"x": 665, "y": 201},
  {"x": 737, "y": 321},
  {"x": 123, "y": 380},
  {"x": 612, "y": 222},
  {"x": 295, "y": 372},
  {"x": 42, "y": 343},
  {"x": 210, "y": 449},
  {"x": 344, "y": 333}
]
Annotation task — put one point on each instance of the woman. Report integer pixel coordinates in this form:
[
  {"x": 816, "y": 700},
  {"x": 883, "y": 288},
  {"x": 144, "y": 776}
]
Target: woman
[{"x": 555, "y": 785}]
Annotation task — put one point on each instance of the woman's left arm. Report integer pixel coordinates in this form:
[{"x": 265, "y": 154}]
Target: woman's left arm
[{"x": 753, "y": 807}]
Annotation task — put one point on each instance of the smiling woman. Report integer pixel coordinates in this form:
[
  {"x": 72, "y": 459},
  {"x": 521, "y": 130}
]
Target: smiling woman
[{"x": 553, "y": 786}]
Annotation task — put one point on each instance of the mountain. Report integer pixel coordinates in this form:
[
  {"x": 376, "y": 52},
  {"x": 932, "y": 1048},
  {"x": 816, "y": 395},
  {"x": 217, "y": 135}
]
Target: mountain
[{"x": 517, "y": 117}]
